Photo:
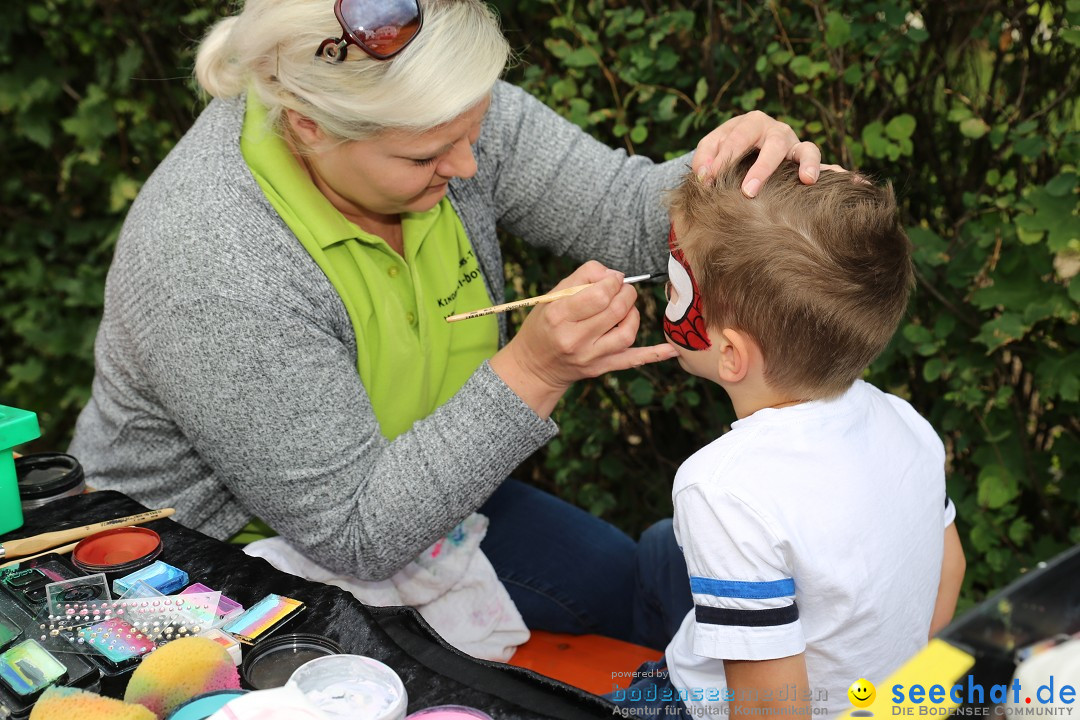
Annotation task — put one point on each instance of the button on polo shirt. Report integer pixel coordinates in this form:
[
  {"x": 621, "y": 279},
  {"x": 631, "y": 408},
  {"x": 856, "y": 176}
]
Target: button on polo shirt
[{"x": 409, "y": 358}]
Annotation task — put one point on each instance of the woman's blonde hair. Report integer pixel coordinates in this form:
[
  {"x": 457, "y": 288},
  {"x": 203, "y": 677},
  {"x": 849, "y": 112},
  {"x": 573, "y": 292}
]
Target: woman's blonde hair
[{"x": 269, "y": 49}]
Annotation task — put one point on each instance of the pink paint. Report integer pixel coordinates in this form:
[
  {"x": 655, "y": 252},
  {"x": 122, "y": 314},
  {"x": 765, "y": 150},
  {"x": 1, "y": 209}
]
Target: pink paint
[{"x": 449, "y": 712}]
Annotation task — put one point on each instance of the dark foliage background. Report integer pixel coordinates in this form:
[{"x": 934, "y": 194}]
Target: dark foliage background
[{"x": 969, "y": 107}]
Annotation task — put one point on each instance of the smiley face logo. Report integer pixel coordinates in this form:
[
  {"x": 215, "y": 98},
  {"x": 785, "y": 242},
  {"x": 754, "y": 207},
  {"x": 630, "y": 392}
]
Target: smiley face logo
[{"x": 862, "y": 693}]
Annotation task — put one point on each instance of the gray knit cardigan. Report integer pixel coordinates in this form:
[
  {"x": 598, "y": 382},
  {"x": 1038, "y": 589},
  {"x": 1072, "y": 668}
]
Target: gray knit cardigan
[{"x": 226, "y": 382}]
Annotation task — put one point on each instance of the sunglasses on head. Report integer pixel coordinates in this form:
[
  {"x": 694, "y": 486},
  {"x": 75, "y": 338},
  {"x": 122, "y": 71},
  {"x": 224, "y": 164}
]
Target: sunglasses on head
[{"x": 381, "y": 28}]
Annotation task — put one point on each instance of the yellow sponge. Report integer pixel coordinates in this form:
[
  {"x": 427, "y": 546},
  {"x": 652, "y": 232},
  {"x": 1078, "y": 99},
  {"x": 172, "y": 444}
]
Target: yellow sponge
[
  {"x": 67, "y": 703},
  {"x": 178, "y": 671}
]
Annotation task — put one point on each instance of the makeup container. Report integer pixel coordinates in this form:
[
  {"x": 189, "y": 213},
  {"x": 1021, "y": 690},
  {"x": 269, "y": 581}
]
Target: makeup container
[
  {"x": 44, "y": 477},
  {"x": 225, "y": 609},
  {"x": 351, "y": 686},
  {"x": 16, "y": 427},
  {"x": 227, "y": 641},
  {"x": 270, "y": 663},
  {"x": 27, "y": 582},
  {"x": 160, "y": 575},
  {"x": 263, "y": 618},
  {"x": 449, "y": 712},
  {"x": 9, "y": 631},
  {"x": 117, "y": 552},
  {"x": 203, "y": 706},
  {"x": 29, "y": 666}
]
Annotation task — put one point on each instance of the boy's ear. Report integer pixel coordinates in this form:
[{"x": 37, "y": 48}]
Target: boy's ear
[{"x": 734, "y": 354}]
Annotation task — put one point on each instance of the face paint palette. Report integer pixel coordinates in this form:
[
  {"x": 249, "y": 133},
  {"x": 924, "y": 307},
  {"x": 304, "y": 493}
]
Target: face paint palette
[
  {"x": 28, "y": 668},
  {"x": 263, "y": 618},
  {"x": 27, "y": 583},
  {"x": 161, "y": 576},
  {"x": 9, "y": 631},
  {"x": 226, "y": 641},
  {"x": 79, "y": 671}
]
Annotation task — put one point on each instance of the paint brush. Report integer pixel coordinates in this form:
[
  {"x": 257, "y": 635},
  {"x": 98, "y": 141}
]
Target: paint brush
[
  {"x": 44, "y": 541},
  {"x": 541, "y": 299},
  {"x": 63, "y": 550}
]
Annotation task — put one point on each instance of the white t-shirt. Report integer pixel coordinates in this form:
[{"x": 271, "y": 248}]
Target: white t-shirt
[{"x": 818, "y": 528}]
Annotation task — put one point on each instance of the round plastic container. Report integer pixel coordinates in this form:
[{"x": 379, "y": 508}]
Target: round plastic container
[
  {"x": 352, "y": 686},
  {"x": 272, "y": 662},
  {"x": 203, "y": 706},
  {"x": 118, "y": 551},
  {"x": 44, "y": 477},
  {"x": 450, "y": 712}
]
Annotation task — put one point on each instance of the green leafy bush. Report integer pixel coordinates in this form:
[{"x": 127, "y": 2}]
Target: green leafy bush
[
  {"x": 970, "y": 110},
  {"x": 972, "y": 113}
]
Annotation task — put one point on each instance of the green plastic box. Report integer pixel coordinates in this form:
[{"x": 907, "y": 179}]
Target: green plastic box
[{"x": 16, "y": 427}]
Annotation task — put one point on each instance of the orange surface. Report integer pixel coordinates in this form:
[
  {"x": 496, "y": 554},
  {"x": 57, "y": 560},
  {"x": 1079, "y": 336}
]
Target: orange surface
[{"x": 584, "y": 661}]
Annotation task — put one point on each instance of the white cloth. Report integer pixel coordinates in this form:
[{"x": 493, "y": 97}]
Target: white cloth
[
  {"x": 1062, "y": 663},
  {"x": 818, "y": 528},
  {"x": 452, "y": 584}
]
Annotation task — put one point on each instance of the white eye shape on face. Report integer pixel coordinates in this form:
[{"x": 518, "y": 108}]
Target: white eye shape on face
[{"x": 682, "y": 291}]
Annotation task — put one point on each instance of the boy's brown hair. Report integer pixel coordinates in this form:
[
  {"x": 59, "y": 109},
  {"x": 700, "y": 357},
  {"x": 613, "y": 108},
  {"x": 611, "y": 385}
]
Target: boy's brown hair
[{"x": 818, "y": 275}]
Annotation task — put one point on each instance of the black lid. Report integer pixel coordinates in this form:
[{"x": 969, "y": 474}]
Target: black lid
[
  {"x": 269, "y": 663},
  {"x": 45, "y": 475}
]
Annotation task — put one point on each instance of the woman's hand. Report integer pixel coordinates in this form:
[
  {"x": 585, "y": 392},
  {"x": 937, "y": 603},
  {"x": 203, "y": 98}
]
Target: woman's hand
[
  {"x": 584, "y": 335},
  {"x": 775, "y": 140}
]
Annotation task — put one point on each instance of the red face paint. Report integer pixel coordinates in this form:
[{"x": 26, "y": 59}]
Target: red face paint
[{"x": 683, "y": 322}]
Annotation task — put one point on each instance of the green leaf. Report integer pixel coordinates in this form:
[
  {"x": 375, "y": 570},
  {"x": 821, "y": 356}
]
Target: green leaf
[
  {"x": 900, "y": 127},
  {"x": 1071, "y": 36},
  {"x": 958, "y": 114},
  {"x": 917, "y": 334},
  {"x": 874, "y": 140},
  {"x": 580, "y": 58},
  {"x": 997, "y": 487},
  {"x": 837, "y": 30},
  {"x": 1020, "y": 530},
  {"x": 1031, "y": 147},
  {"x": 974, "y": 128},
  {"x": 932, "y": 369},
  {"x": 558, "y": 48},
  {"x": 1064, "y": 184},
  {"x": 639, "y": 134},
  {"x": 701, "y": 91},
  {"x": 929, "y": 248},
  {"x": 1007, "y": 328},
  {"x": 640, "y": 391}
]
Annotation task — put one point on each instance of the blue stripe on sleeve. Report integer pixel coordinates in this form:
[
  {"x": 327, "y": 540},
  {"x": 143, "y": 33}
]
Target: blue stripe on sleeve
[{"x": 742, "y": 589}]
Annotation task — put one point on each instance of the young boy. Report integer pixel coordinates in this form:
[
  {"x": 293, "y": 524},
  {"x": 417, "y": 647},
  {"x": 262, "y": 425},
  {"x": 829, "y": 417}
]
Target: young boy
[{"x": 817, "y": 534}]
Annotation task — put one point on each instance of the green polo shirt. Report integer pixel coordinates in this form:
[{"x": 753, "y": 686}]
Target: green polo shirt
[{"x": 409, "y": 358}]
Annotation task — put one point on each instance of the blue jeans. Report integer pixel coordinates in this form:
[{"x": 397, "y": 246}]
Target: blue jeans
[
  {"x": 649, "y": 694},
  {"x": 571, "y": 572}
]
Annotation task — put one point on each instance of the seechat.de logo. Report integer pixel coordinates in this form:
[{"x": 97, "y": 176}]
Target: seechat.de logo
[{"x": 861, "y": 694}]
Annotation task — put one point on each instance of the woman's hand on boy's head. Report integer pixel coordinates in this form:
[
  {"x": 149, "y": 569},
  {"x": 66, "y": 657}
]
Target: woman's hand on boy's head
[{"x": 776, "y": 142}]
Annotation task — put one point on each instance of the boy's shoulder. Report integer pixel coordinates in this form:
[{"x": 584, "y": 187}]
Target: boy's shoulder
[{"x": 769, "y": 443}]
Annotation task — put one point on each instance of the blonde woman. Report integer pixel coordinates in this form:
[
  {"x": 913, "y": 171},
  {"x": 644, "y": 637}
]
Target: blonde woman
[{"x": 273, "y": 343}]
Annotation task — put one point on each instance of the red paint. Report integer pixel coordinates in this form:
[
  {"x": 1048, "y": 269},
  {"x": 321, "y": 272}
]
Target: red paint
[{"x": 121, "y": 546}]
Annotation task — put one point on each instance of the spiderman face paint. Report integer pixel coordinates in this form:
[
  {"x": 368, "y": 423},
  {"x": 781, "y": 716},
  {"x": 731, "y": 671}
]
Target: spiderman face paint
[{"x": 683, "y": 321}]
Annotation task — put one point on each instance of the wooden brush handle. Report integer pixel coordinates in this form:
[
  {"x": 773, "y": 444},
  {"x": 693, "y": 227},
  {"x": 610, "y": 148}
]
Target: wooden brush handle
[{"x": 38, "y": 543}]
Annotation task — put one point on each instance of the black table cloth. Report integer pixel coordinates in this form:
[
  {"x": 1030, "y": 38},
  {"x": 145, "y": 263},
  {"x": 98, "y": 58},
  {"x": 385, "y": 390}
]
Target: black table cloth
[{"x": 434, "y": 673}]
